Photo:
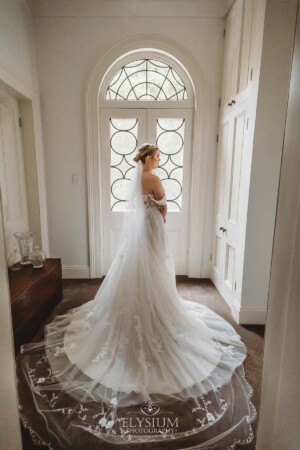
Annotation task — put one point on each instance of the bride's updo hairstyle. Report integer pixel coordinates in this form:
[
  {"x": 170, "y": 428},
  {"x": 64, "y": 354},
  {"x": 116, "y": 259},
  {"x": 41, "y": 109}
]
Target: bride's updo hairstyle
[{"x": 145, "y": 150}]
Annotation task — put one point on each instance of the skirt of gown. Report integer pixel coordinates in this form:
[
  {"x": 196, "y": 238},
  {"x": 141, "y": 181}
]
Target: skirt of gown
[{"x": 137, "y": 364}]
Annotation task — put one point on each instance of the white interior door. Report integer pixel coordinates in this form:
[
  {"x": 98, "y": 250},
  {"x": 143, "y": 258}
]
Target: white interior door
[
  {"x": 225, "y": 136},
  {"x": 232, "y": 145},
  {"x": 235, "y": 152},
  {"x": 122, "y": 131},
  {"x": 12, "y": 173}
]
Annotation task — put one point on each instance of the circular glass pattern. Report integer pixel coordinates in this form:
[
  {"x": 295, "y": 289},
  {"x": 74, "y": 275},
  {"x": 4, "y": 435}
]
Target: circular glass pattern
[
  {"x": 170, "y": 140},
  {"x": 123, "y": 145}
]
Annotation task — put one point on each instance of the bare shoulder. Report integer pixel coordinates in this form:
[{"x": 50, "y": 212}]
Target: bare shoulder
[
  {"x": 156, "y": 184},
  {"x": 155, "y": 179},
  {"x": 157, "y": 187},
  {"x": 152, "y": 184},
  {"x": 152, "y": 179}
]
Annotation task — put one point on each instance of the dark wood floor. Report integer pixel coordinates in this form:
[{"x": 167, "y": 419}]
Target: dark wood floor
[{"x": 77, "y": 292}]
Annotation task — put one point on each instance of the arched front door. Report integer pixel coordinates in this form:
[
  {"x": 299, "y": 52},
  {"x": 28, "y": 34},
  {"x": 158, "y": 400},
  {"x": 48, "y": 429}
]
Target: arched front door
[{"x": 146, "y": 100}]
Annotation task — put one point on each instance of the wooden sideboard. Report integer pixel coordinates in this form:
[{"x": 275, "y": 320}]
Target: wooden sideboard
[{"x": 34, "y": 293}]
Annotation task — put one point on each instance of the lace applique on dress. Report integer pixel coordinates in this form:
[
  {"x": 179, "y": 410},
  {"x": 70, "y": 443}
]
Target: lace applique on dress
[
  {"x": 150, "y": 201},
  {"x": 109, "y": 372}
]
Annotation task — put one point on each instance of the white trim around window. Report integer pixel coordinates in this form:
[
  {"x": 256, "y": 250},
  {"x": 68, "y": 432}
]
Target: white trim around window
[{"x": 168, "y": 50}]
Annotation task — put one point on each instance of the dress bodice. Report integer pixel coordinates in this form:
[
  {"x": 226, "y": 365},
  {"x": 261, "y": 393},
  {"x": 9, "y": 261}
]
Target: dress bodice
[{"x": 150, "y": 201}]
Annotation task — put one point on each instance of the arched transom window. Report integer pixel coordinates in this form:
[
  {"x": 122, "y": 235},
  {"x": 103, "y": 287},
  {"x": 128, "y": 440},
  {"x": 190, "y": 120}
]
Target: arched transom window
[{"x": 146, "y": 79}]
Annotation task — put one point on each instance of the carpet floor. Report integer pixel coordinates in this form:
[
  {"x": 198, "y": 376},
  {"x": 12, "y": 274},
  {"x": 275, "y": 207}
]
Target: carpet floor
[{"x": 77, "y": 292}]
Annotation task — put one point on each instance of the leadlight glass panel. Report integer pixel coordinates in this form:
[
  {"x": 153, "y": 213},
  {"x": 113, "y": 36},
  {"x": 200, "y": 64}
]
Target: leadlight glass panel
[
  {"x": 170, "y": 140},
  {"x": 146, "y": 79},
  {"x": 123, "y": 146}
]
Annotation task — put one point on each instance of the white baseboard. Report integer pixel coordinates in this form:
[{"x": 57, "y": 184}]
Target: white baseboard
[
  {"x": 242, "y": 315},
  {"x": 72, "y": 272},
  {"x": 248, "y": 316}
]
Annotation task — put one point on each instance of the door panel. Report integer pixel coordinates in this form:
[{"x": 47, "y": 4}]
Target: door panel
[
  {"x": 238, "y": 141},
  {"x": 122, "y": 131},
  {"x": 232, "y": 146},
  {"x": 231, "y": 202},
  {"x": 171, "y": 130},
  {"x": 245, "y": 46},
  {"x": 229, "y": 56},
  {"x": 218, "y": 244}
]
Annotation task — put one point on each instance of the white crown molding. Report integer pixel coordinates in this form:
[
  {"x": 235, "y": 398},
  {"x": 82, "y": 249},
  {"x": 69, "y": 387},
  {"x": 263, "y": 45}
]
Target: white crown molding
[
  {"x": 201, "y": 88},
  {"x": 16, "y": 83},
  {"x": 187, "y": 9}
]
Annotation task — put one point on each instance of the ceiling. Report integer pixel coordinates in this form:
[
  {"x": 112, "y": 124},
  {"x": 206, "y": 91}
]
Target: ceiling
[{"x": 130, "y": 8}]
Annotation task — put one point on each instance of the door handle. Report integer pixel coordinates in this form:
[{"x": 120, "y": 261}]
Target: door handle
[
  {"x": 232, "y": 101},
  {"x": 229, "y": 104},
  {"x": 223, "y": 229}
]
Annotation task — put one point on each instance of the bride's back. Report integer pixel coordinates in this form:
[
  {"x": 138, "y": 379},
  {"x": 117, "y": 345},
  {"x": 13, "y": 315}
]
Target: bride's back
[
  {"x": 151, "y": 184},
  {"x": 148, "y": 183}
]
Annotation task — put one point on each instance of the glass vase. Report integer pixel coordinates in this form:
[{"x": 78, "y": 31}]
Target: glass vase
[
  {"x": 37, "y": 257},
  {"x": 25, "y": 243}
]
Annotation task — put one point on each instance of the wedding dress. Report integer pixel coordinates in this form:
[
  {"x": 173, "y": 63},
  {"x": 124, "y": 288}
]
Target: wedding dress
[{"x": 137, "y": 364}]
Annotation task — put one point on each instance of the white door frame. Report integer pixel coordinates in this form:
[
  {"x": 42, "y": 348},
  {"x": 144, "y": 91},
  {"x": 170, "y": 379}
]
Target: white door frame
[
  {"x": 200, "y": 209},
  {"x": 11, "y": 84},
  {"x": 12, "y": 171},
  {"x": 178, "y": 221}
]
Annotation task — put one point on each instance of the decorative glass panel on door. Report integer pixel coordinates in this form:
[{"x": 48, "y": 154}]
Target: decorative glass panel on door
[
  {"x": 146, "y": 79},
  {"x": 123, "y": 131},
  {"x": 170, "y": 140},
  {"x": 123, "y": 146}
]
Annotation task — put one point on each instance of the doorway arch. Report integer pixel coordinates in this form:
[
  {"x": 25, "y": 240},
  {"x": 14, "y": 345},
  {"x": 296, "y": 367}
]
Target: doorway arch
[{"x": 94, "y": 93}]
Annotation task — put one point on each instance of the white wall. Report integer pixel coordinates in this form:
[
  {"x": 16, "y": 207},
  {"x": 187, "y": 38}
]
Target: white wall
[
  {"x": 10, "y": 435},
  {"x": 18, "y": 64},
  {"x": 68, "y": 48},
  {"x": 17, "y": 47},
  {"x": 18, "y": 79},
  {"x": 274, "y": 78},
  {"x": 280, "y": 399}
]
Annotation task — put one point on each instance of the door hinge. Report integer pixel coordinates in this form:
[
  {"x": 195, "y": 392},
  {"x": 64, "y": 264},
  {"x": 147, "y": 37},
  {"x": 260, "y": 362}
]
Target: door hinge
[
  {"x": 217, "y": 138},
  {"x": 219, "y": 102},
  {"x": 247, "y": 123},
  {"x": 210, "y": 257},
  {"x": 235, "y": 285},
  {"x": 20, "y": 122},
  {"x": 251, "y": 73},
  {"x": 224, "y": 33}
]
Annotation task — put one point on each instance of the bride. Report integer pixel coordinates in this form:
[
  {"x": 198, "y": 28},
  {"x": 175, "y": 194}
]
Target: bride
[{"x": 137, "y": 364}]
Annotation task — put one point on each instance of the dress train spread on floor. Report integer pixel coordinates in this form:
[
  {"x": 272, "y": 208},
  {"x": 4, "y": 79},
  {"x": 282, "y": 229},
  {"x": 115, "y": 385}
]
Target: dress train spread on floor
[{"x": 137, "y": 364}]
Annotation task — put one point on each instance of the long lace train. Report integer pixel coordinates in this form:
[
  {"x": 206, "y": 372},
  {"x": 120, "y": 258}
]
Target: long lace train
[{"x": 137, "y": 364}]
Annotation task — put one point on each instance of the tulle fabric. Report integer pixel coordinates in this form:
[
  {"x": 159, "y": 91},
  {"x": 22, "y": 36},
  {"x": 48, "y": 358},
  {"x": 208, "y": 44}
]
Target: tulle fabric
[{"x": 137, "y": 354}]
